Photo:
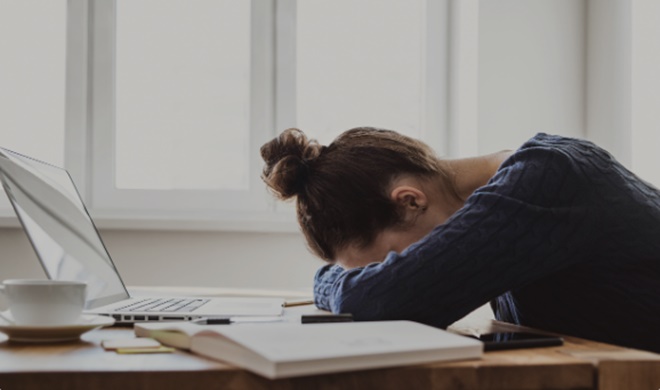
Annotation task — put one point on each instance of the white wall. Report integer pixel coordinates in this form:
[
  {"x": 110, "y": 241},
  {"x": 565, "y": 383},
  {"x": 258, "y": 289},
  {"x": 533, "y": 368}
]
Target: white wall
[
  {"x": 623, "y": 83},
  {"x": 531, "y": 71},
  {"x": 645, "y": 88},
  {"x": 543, "y": 65},
  {"x": 608, "y": 76},
  {"x": 250, "y": 260}
]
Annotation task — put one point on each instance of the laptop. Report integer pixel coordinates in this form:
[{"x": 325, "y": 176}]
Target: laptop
[{"x": 69, "y": 247}]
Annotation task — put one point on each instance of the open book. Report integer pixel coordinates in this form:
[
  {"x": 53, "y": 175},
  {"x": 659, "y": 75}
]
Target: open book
[{"x": 279, "y": 350}]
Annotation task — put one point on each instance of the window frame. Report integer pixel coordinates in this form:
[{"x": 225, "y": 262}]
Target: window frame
[
  {"x": 174, "y": 204},
  {"x": 89, "y": 117}
]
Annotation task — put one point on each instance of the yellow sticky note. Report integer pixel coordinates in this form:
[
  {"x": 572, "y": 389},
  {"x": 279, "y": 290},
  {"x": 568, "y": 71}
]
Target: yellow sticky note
[
  {"x": 127, "y": 351},
  {"x": 139, "y": 342}
]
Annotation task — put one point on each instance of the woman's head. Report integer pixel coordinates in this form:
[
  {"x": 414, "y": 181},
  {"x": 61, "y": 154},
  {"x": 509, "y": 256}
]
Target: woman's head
[{"x": 343, "y": 191}]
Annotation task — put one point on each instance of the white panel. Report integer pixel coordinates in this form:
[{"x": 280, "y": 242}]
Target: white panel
[
  {"x": 609, "y": 76},
  {"x": 32, "y": 77},
  {"x": 435, "y": 122},
  {"x": 645, "y": 85},
  {"x": 359, "y": 63},
  {"x": 531, "y": 70},
  {"x": 182, "y": 94},
  {"x": 463, "y": 78}
]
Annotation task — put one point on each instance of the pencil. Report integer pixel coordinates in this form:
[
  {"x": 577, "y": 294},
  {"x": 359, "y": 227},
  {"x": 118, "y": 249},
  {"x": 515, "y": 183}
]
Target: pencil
[{"x": 298, "y": 303}]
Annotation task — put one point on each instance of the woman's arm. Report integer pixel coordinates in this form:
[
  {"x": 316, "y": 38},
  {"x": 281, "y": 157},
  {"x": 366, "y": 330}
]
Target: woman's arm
[
  {"x": 323, "y": 280},
  {"x": 528, "y": 222}
]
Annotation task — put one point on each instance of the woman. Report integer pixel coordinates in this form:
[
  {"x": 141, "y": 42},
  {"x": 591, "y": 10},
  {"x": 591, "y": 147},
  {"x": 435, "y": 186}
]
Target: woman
[{"x": 557, "y": 235}]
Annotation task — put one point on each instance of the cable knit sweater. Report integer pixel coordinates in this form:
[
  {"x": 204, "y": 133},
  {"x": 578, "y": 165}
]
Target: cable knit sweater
[{"x": 562, "y": 238}]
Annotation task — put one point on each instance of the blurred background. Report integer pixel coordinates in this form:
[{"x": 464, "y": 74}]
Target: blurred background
[{"x": 158, "y": 107}]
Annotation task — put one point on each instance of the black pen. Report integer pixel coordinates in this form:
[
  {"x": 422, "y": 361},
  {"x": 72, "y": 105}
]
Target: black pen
[
  {"x": 235, "y": 320},
  {"x": 212, "y": 321},
  {"x": 305, "y": 319}
]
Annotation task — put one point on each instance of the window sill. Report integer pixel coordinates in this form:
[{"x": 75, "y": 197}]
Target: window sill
[{"x": 228, "y": 222}]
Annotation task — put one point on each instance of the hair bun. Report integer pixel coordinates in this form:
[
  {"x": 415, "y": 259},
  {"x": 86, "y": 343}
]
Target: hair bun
[{"x": 288, "y": 158}]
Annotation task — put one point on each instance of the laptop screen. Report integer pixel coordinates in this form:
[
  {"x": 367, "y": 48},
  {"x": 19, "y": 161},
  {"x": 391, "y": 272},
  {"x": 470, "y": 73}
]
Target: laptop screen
[{"x": 59, "y": 227}]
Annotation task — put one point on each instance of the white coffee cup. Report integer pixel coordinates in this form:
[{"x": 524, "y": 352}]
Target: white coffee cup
[{"x": 34, "y": 302}]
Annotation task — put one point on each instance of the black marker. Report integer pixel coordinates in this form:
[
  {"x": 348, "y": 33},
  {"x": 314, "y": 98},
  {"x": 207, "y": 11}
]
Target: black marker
[{"x": 326, "y": 318}]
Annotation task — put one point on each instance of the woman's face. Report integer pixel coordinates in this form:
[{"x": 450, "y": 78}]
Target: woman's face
[
  {"x": 424, "y": 207},
  {"x": 387, "y": 241}
]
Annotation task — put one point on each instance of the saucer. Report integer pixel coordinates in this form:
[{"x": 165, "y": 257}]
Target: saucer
[{"x": 52, "y": 334}]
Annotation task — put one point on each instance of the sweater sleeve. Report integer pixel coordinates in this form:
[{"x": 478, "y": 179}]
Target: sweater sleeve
[
  {"x": 527, "y": 222},
  {"x": 323, "y": 281}
]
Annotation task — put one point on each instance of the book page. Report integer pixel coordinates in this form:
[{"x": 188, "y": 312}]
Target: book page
[{"x": 291, "y": 342}]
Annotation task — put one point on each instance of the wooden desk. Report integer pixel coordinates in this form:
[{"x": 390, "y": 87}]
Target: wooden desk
[{"x": 579, "y": 364}]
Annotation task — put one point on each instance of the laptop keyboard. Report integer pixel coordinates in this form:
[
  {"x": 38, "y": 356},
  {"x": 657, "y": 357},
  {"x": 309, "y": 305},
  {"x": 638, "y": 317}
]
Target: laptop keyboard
[{"x": 164, "y": 305}]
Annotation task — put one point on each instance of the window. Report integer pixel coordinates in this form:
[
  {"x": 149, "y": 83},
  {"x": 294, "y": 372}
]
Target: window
[
  {"x": 158, "y": 107},
  {"x": 175, "y": 100},
  {"x": 32, "y": 79},
  {"x": 168, "y": 101},
  {"x": 182, "y": 95}
]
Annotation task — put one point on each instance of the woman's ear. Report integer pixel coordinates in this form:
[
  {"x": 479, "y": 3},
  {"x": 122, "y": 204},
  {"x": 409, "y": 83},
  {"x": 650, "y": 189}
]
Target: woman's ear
[{"x": 411, "y": 199}]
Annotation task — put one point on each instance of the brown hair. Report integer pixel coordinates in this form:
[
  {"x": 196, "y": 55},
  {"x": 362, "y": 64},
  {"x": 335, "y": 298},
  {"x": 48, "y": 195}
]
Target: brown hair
[{"x": 342, "y": 190}]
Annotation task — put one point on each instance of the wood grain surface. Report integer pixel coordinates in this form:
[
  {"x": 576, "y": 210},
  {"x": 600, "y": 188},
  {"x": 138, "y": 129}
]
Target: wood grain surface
[{"x": 578, "y": 364}]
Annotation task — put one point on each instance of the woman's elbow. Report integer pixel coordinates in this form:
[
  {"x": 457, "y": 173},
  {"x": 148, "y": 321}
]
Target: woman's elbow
[{"x": 361, "y": 307}]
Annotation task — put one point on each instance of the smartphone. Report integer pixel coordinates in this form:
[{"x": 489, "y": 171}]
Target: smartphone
[{"x": 513, "y": 340}]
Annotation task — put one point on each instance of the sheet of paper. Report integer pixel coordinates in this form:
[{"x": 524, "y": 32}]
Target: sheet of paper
[{"x": 141, "y": 342}]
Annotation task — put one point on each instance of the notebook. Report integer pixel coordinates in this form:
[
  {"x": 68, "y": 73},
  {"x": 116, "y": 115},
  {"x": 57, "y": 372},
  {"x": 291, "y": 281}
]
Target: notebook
[
  {"x": 281, "y": 350},
  {"x": 69, "y": 247}
]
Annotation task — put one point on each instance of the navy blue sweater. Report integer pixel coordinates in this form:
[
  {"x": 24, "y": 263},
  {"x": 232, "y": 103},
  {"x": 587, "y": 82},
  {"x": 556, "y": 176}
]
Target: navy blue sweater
[{"x": 562, "y": 238}]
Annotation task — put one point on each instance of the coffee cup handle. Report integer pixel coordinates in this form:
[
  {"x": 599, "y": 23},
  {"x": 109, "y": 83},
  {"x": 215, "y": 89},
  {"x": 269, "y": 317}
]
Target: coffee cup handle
[
  {"x": 4, "y": 297},
  {"x": 2, "y": 308}
]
